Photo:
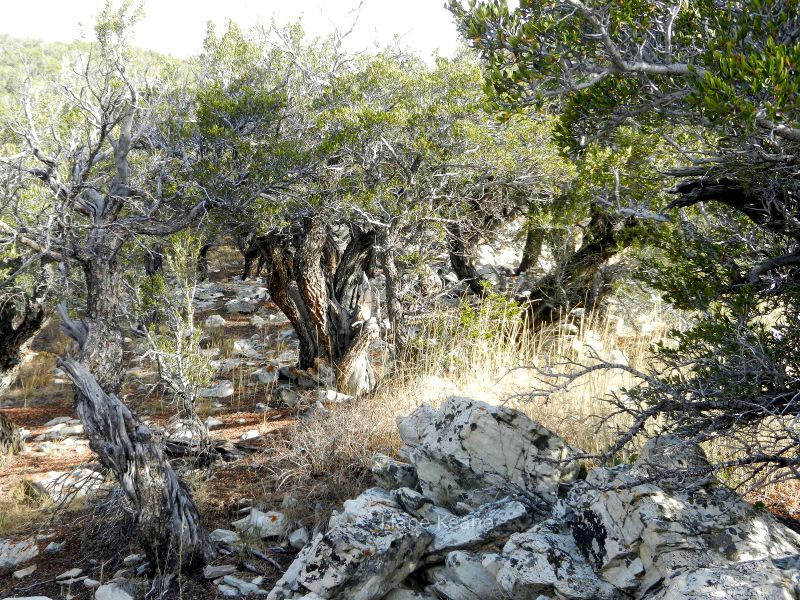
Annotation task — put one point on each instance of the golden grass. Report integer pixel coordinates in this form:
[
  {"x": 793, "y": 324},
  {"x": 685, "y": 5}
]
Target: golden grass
[
  {"x": 22, "y": 508},
  {"x": 484, "y": 355}
]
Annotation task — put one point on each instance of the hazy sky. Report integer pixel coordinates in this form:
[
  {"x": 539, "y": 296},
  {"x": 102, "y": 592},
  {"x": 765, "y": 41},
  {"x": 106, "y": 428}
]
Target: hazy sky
[{"x": 178, "y": 27}]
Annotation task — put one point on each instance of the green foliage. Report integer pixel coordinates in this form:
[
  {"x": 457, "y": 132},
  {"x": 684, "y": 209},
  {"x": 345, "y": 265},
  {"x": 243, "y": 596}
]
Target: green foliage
[
  {"x": 646, "y": 87},
  {"x": 709, "y": 62},
  {"x": 495, "y": 308},
  {"x": 165, "y": 306}
]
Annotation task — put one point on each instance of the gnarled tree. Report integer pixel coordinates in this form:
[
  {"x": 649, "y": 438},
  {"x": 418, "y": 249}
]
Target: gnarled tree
[{"x": 717, "y": 81}]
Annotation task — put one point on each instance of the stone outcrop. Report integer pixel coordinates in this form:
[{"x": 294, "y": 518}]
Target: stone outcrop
[{"x": 491, "y": 505}]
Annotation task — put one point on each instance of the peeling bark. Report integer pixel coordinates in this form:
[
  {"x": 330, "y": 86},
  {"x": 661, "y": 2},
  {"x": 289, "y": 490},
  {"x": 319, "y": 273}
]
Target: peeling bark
[
  {"x": 534, "y": 238},
  {"x": 169, "y": 524},
  {"x": 22, "y": 314},
  {"x": 326, "y": 296},
  {"x": 461, "y": 248},
  {"x": 10, "y": 439},
  {"x": 574, "y": 283}
]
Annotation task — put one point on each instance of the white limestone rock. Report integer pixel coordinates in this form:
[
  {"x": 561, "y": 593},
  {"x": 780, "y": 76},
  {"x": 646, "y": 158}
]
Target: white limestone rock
[
  {"x": 541, "y": 562},
  {"x": 258, "y": 322},
  {"x": 70, "y": 574},
  {"x": 245, "y": 587},
  {"x": 214, "y": 322},
  {"x": 264, "y": 524},
  {"x": 392, "y": 474},
  {"x": 490, "y": 522},
  {"x": 637, "y": 534},
  {"x": 225, "y": 536},
  {"x": 240, "y": 306},
  {"x": 62, "y": 486},
  {"x": 463, "y": 577},
  {"x": 212, "y": 422},
  {"x": 468, "y": 444},
  {"x": 333, "y": 397},
  {"x": 221, "y": 389},
  {"x": 766, "y": 579},
  {"x": 370, "y": 548},
  {"x": 299, "y": 538},
  {"x": 266, "y": 375},
  {"x": 23, "y": 573},
  {"x": 13, "y": 554}
]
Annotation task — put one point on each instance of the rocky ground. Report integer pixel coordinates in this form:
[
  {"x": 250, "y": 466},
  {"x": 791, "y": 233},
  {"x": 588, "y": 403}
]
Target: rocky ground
[
  {"x": 490, "y": 506},
  {"x": 483, "y": 504},
  {"x": 256, "y": 395}
]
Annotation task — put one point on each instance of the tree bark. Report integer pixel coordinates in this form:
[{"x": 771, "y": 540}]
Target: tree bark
[
  {"x": 202, "y": 262},
  {"x": 461, "y": 248},
  {"x": 534, "y": 238},
  {"x": 10, "y": 439},
  {"x": 22, "y": 314},
  {"x": 154, "y": 260},
  {"x": 169, "y": 523},
  {"x": 573, "y": 284},
  {"x": 394, "y": 308},
  {"x": 326, "y": 296}
]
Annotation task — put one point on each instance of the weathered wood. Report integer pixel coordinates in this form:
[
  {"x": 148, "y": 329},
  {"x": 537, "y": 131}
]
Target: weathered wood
[
  {"x": 22, "y": 314},
  {"x": 461, "y": 248},
  {"x": 532, "y": 250},
  {"x": 169, "y": 524},
  {"x": 10, "y": 438},
  {"x": 325, "y": 295},
  {"x": 574, "y": 283}
]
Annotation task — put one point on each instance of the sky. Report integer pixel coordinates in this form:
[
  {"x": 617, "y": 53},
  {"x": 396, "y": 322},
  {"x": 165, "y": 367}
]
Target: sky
[{"x": 177, "y": 27}]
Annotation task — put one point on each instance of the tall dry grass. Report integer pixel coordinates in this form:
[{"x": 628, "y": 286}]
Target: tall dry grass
[{"x": 485, "y": 353}]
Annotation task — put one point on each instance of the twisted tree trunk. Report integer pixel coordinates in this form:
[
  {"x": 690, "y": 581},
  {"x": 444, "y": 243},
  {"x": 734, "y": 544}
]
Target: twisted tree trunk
[
  {"x": 534, "y": 238},
  {"x": 22, "y": 314},
  {"x": 461, "y": 248},
  {"x": 10, "y": 439},
  {"x": 326, "y": 296},
  {"x": 574, "y": 283},
  {"x": 169, "y": 524}
]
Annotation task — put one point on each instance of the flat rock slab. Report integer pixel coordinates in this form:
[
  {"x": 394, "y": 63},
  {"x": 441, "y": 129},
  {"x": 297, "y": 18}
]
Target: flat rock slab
[
  {"x": 13, "y": 554},
  {"x": 225, "y": 536},
  {"x": 489, "y": 522},
  {"x": 223, "y": 389},
  {"x": 23, "y": 573},
  {"x": 214, "y": 571},
  {"x": 766, "y": 579}
]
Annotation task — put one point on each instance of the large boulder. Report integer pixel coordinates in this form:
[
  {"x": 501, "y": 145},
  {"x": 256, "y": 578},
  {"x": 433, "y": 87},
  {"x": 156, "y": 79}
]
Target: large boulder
[
  {"x": 638, "y": 533},
  {"x": 500, "y": 509},
  {"x": 467, "y": 445},
  {"x": 542, "y": 562},
  {"x": 766, "y": 579},
  {"x": 367, "y": 552}
]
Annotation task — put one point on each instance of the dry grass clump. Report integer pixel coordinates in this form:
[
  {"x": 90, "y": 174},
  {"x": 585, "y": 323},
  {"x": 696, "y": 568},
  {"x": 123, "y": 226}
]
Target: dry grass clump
[
  {"x": 325, "y": 460},
  {"x": 21, "y": 509}
]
